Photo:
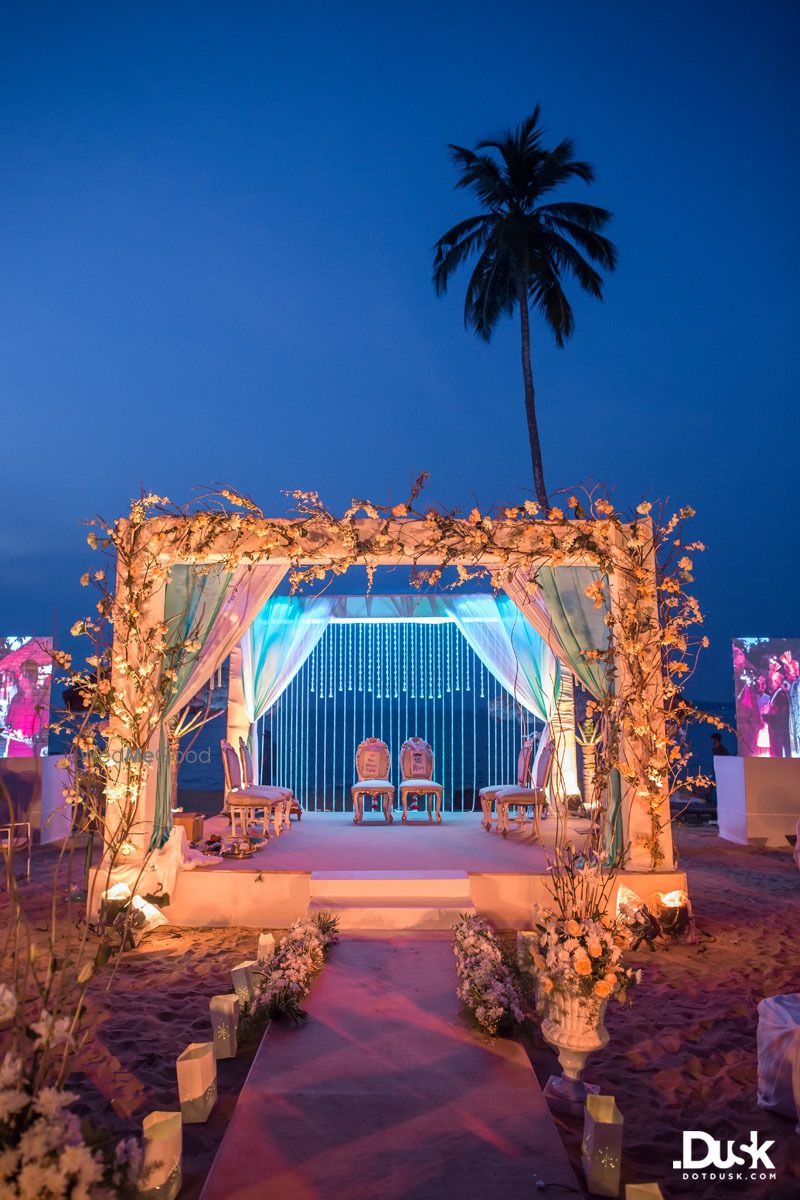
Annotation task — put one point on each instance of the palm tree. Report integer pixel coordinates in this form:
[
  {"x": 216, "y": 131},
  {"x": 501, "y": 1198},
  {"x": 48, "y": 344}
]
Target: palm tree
[{"x": 525, "y": 244}]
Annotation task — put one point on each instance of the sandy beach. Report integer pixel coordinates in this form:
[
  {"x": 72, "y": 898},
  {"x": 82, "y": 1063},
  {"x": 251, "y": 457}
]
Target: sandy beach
[{"x": 683, "y": 1056}]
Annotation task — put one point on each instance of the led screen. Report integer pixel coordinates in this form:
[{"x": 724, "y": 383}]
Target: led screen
[
  {"x": 766, "y": 674},
  {"x": 25, "y": 670}
]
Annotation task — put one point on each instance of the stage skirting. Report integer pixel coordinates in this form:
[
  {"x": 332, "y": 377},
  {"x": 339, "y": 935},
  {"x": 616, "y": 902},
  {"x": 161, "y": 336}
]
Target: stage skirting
[{"x": 381, "y": 876}]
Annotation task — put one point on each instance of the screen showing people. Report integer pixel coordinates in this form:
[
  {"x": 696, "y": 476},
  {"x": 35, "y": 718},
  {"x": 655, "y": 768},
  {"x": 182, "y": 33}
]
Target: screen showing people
[
  {"x": 25, "y": 670},
  {"x": 766, "y": 674}
]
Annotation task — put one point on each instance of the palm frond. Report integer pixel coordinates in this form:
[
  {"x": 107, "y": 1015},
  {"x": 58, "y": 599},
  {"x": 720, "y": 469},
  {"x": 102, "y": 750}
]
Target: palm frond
[
  {"x": 489, "y": 292},
  {"x": 463, "y": 240},
  {"x": 568, "y": 259},
  {"x": 599, "y": 248},
  {"x": 548, "y": 296}
]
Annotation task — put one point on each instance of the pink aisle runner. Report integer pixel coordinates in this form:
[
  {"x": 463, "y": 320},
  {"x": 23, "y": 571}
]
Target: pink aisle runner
[{"x": 387, "y": 1093}]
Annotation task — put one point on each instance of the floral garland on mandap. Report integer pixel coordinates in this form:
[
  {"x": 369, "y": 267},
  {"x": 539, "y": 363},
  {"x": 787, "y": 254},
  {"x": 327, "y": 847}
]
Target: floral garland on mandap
[
  {"x": 485, "y": 982},
  {"x": 286, "y": 978}
]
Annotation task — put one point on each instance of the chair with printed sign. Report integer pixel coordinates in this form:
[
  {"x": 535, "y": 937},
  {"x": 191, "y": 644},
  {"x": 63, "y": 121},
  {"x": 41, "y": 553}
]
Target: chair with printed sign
[
  {"x": 416, "y": 770},
  {"x": 373, "y": 765}
]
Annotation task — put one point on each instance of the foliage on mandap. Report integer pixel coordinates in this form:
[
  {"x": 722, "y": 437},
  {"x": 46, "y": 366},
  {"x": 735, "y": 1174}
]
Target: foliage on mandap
[{"x": 524, "y": 244}]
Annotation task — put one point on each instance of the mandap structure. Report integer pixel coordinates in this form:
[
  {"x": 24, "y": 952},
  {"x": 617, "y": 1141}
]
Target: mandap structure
[{"x": 574, "y": 596}]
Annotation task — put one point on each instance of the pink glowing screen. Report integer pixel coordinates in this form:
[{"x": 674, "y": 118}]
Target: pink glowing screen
[
  {"x": 25, "y": 671},
  {"x": 766, "y": 673}
]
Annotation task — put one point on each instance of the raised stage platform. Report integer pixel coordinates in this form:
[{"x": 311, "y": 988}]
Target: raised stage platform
[{"x": 378, "y": 876}]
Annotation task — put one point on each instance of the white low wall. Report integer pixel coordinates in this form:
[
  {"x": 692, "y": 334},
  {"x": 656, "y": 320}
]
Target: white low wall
[
  {"x": 758, "y": 799},
  {"x": 217, "y": 898},
  {"x": 508, "y": 900}
]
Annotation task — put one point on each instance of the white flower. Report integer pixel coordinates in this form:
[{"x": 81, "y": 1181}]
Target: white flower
[
  {"x": 50, "y": 1101},
  {"x": 79, "y": 1161},
  {"x": 51, "y": 1031},
  {"x": 8, "y": 1003},
  {"x": 10, "y": 1071},
  {"x": 11, "y": 1101},
  {"x": 36, "y": 1180}
]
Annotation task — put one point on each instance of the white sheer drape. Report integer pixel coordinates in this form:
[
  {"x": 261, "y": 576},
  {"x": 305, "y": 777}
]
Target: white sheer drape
[
  {"x": 274, "y": 649},
  {"x": 510, "y": 648}
]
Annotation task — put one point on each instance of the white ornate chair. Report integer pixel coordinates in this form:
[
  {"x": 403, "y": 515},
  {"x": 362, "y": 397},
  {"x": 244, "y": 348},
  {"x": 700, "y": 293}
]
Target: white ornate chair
[
  {"x": 290, "y": 805},
  {"x": 373, "y": 764},
  {"x": 523, "y": 798},
  {"x": 487, "y": 795},
  {"x": 248, "y": 805},
  {"x": 416, "y": 769}
]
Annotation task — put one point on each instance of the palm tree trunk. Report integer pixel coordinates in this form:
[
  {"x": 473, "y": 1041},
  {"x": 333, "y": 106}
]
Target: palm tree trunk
[{"x": 530, "y": 397}]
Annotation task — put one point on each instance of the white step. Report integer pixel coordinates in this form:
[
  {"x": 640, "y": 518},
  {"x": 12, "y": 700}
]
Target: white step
[
  {"x": 367, "y": 886},
  {"x": 430, "y": 912}
]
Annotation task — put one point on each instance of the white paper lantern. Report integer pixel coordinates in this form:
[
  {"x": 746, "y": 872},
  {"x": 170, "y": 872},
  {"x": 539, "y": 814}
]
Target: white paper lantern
[
  {"x": 266, "y": 947},
  {"x": 161, "y": 1158},
  {"x": 196, "y": 1068},
  {"x": 601, "y": 1148},
  {"x": 527, "y": 946},
  {"x": 224, "y": 1020},
  {"x": 118, "y": 892},
  {"x": 244, "y": 983},
  {"x": 643, "y": 1191}
]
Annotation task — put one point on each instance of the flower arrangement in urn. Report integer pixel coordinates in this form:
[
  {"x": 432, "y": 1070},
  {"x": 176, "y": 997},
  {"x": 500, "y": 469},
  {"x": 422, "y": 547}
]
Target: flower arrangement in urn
[{"x": 578, "y": 967}]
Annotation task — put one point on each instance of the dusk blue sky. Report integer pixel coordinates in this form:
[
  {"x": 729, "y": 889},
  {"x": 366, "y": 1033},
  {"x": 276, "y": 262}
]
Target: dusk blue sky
[{"x": 216, "y": 226}]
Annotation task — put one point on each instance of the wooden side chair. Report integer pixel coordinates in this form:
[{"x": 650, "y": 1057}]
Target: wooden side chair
[
  {"x": 290, "y": 805},
  {"x": 487, "y": 795},
  {"x": 247, "y": 806},
  {"x": 373, "y": 766},
  {"x": 523, "y": 798},
  {"x": 416, "y": 770}
]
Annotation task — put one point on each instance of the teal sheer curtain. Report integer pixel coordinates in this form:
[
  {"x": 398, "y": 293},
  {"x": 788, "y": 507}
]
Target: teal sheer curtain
[
  {"x": 580, "y": 626},
  {"x": 192, "y": 605}
]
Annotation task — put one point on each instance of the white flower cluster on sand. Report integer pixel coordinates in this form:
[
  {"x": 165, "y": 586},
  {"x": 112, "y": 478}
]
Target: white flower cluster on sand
[
  {"x": 485, "y": 984},
  {"x": 298, "y": 957}
]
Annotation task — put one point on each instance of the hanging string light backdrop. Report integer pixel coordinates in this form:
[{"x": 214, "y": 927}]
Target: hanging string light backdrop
[{"x": 392, "y": 680}]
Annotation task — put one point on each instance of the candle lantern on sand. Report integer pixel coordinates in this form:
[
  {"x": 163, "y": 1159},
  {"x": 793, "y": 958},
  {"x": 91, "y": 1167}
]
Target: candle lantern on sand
[
  {"x": 266, "y": 947},
  {"x": 224, "y": 1020},
  {"x": 601, "y": 1148},
  {"x": 197, "y": 1082},
  {"x": 674, "y": 914},
  {"x": 161, "y": 1158},
  {"x": 244, "y": 983}
]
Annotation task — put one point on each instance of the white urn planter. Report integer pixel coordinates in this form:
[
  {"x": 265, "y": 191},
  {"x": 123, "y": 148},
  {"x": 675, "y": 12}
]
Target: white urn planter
[{"x": 575, "y": 1026}]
